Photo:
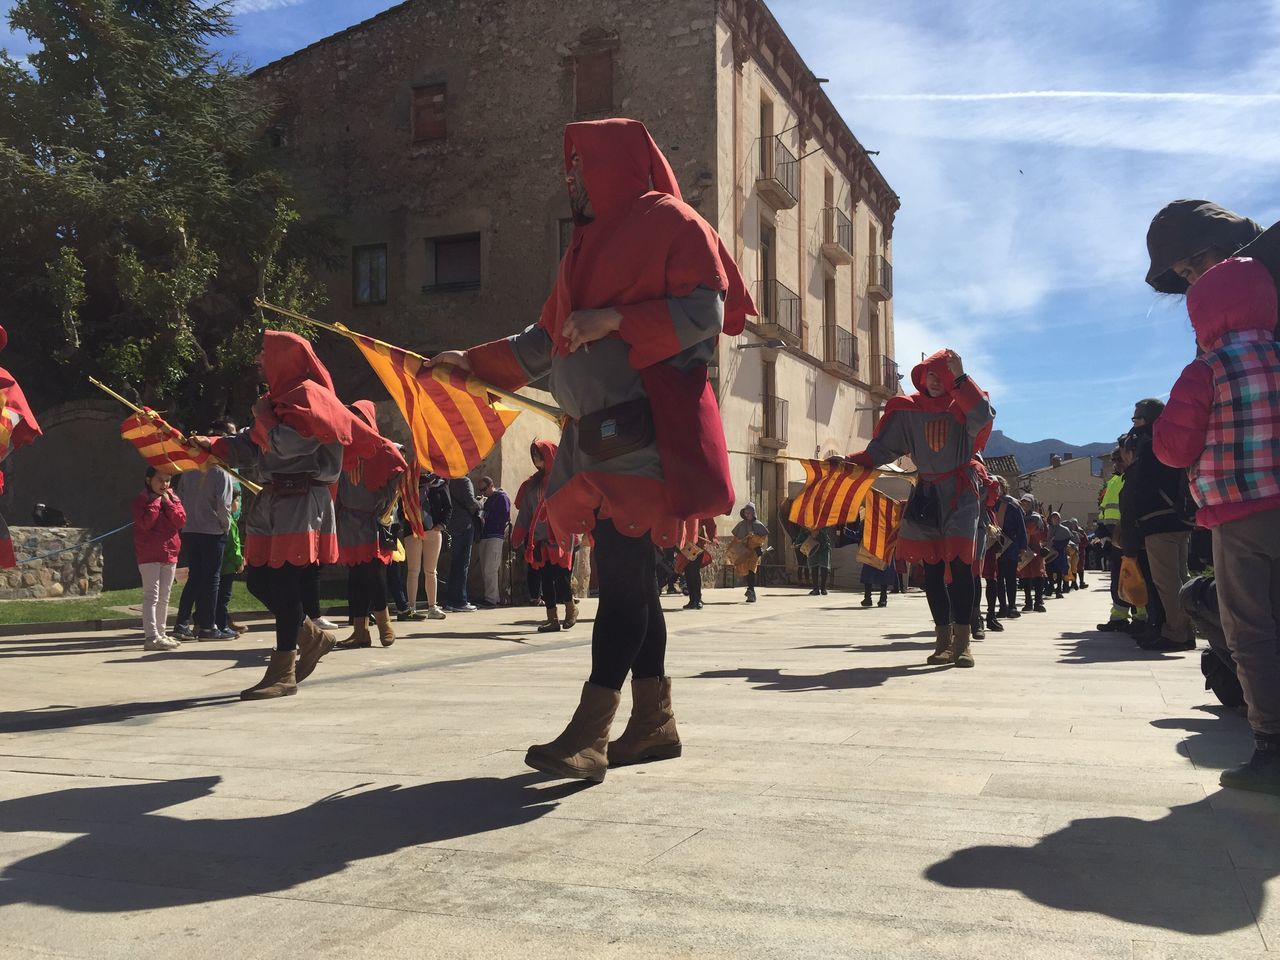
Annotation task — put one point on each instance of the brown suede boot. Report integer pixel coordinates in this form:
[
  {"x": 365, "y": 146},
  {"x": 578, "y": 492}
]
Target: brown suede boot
[
  {"x": 960, "y": 651},
  {"x": 386, "y": 635},
  {"x": 359, "y": 636},
  {"x": 570, "y": 613},
  {"x": 580, "y": 751},
  {"x": 942, "y": 645},
  {"x": 552, "y": 624},
  {"x": 279, "y": 680},
  {"x": 313, "y": 643},
  {"x": 651, "y": 732}
]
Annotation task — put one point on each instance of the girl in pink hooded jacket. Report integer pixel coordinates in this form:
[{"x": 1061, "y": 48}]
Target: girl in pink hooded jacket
[{"x": 1223, "y": 422}]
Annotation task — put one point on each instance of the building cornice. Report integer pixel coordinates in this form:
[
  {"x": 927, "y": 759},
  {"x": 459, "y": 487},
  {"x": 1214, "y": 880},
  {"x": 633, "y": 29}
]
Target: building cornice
[{"x": 757, "y": 36}]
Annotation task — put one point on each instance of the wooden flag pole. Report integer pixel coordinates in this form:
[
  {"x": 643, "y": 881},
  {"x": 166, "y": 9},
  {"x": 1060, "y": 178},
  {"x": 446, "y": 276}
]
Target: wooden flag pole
[
  {"x": 245, "y": 482},
  {"x": 554, "y": 414}
]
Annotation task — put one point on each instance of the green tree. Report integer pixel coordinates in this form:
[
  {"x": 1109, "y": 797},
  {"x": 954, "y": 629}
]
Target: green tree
[{"x": 143, "y": 213}]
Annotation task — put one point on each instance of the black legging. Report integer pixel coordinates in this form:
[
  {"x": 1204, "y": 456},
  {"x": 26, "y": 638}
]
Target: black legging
[
  {"x": 279, "y": 589},
  {"x": 310, "y": 589},
  {"x": 1009, "y": 577},
  {"x": 693, "y": 580},
  {"x": 366, "y": 589},
  {"x": 949, "y": 602},
  {"x": 630, "y": 632},
  {"x": 824, "y": 576},
  {"x": 1036, "y": 584},
  {"x": 995, "y": 595},
  {"x": 554, "y": 584}
]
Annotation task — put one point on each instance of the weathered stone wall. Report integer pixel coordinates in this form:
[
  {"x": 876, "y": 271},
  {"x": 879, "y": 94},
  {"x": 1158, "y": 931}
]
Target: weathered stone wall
[
  {"x": 344, "y": 124},
  {"x": 83, "y": 468},
  {"x": 75, "y": 573}
]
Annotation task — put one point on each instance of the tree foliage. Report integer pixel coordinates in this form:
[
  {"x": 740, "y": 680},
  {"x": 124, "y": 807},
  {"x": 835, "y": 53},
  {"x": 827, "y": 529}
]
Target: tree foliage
[{"x": 143, "y": 211}]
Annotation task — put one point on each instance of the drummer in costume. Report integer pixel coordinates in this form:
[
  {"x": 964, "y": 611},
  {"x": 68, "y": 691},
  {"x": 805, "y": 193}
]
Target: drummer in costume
[
  {"x": 1031, "y": 565},
  {"x": 747, "y": 549},
  {"x": 693, "y": 557},
  {"x": 941, "y": 427},
  {"x": 545, "y": 550},
  {"x": 643, "y": 292}
]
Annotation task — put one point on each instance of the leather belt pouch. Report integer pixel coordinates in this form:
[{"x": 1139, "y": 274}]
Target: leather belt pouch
[{"x": 617, "y": 430}]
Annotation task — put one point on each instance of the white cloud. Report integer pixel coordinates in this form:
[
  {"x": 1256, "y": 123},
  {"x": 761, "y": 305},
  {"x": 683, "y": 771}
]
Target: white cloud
[{"x": 261, "y": 6}]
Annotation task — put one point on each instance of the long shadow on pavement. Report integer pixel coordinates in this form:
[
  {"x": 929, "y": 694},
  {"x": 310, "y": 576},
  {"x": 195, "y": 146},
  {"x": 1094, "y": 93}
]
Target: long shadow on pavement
[
  {"x": 1175, "y": 873},
  {"x": 1098, "y": 647},
  {"x": 1216, "y": 742},
  {"x": 856, "y": 678},
  {"x": 60, "y": 717},
  {"x": 144, "y": 860}
]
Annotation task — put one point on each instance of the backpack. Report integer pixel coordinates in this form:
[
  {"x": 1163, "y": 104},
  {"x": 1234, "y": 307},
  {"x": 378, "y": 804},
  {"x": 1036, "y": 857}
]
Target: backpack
[{"x": 1199, "y": 598}]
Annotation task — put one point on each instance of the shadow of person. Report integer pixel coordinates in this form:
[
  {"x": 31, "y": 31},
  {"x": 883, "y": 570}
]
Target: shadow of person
[
  {"x": 63, "y": 648},
  {"x": 1097, "y": 647},
  {"x": 1176, "y": 873},
  {"x": 1214, "y": 744},
  {"x": 59, "y": 717},
  {"x": 856, "y": 678},
  {"x": 138, "y": 859}
]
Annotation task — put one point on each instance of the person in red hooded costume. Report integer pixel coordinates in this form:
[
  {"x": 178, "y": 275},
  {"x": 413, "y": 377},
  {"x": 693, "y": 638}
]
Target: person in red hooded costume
[
  {"x": 545, "y": 550},
  {"x": 941, "y": 427},
  {"x": 18, "y": 427},
  {"x": 301, "y": 440},
  {"x": 624, "y": 339},
  {"x": 367, "y": 491}
]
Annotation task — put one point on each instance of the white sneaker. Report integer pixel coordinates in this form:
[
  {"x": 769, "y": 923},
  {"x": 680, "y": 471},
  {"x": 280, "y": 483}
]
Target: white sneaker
[
  {"x": 435, "y": 613},
  {"x": 324, "y": 623},
  {"x": 160, "y": 643}
]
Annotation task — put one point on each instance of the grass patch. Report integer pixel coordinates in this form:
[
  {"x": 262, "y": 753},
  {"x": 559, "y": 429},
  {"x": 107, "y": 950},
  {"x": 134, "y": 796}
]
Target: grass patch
[{"x": 102, "y": 606}]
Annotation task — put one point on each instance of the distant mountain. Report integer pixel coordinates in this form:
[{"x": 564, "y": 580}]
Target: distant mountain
[{"x": 1034, "y": 455}]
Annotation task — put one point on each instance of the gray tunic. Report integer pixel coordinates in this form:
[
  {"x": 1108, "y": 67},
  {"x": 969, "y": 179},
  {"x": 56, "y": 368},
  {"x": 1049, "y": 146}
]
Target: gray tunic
[
  {"x": 942, "y": 450},
  {"x": 288, "y": 529},
  {"x": 591, "y": 379}
]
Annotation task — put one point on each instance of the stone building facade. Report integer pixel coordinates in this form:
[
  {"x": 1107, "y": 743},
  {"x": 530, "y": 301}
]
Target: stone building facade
[
  {"x": 1069, "y": 486},
  {"x": 430, "y": 137}
]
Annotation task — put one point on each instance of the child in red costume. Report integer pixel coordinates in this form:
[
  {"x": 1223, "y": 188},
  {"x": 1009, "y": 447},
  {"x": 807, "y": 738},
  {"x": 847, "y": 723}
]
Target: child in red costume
[
  {"x": 545, "y": 550},
  {"x": 643, "y": 291}
]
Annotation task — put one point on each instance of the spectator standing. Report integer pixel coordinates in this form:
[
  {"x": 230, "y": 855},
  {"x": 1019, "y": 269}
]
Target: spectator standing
[
  {"x": 1165, "y": 516},
  {"x": 422, "y": 554},
  {"x": 1223, "y": 422},
  {"x": 207, "y": 497},
  {"x": 232, "y": 565},
  {"x": 463, "y": 523},
  {"x": 158, "y": 517},
  {"x": 493, "y": 534},
  {"x": 1109, "y": 537}
]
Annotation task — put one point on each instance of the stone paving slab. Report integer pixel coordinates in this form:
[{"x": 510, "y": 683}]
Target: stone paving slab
[{"x": 837, "y": 798}]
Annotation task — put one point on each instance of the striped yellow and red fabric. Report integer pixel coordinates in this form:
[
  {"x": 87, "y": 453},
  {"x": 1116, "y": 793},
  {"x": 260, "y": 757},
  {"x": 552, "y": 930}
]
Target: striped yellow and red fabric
[
  {"x": 9, "y": 420},
  {"x": 831, "y": 495},
  {"x": 410, "y": 505},
  {"x": 881, "y": 523},
  {"x": 453, "y": 422},
  {"x": 161, "y": 445}
]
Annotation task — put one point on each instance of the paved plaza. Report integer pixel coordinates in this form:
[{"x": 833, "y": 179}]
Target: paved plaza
[{"x": 837, "y": 798}]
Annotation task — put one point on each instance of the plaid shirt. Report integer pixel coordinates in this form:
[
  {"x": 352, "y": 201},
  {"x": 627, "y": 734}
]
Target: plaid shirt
[{"x": 1241, "y": 458}]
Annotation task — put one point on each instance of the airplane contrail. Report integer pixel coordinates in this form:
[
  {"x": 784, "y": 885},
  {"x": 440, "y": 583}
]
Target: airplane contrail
[{"x": 1136, "y": 96}]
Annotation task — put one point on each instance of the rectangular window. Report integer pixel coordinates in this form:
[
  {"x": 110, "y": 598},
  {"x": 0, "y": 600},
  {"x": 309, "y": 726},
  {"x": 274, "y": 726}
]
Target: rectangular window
[
  {"x": 829, "y": 302},
  {"x": 593, "y": 82},
  {"x": 766, "y": 138},
  {"x": 457, "y": 262},
  {"x": 369, "y": 274},
  {"x": 429, "y": 112},
  {"x": 828, "y": 188}
]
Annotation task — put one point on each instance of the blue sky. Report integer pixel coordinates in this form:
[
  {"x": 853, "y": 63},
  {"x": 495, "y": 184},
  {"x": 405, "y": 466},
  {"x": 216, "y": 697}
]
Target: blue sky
[{"x": 1031, "y": 144}]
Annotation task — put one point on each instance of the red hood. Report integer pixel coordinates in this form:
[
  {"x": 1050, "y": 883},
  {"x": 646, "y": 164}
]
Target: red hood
[
  {"x": 920, "y": 400},
  {"x": 548, "y": 451},
  {"x": 620, "y": 163},
  {"x": 366, "y": 411},
  {"x": 289, "y": 361},
  {"x": 371, "y": 458},
  {"x": 1236, "y": 296}
]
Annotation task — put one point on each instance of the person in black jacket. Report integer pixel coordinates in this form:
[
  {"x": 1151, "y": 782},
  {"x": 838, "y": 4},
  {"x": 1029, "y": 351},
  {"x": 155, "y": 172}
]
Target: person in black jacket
[
  {"x": 463, "y": 525},
  {"x": 1156, "y": 517}
]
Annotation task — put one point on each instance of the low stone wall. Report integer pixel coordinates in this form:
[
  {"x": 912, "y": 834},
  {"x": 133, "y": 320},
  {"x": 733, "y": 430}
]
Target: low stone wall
[{"x": 75, "y": 573}]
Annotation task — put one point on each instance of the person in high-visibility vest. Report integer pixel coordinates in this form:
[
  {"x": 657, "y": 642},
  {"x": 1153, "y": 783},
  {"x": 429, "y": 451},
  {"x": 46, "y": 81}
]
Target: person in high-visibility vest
[{"x": 1109, "y": 517}]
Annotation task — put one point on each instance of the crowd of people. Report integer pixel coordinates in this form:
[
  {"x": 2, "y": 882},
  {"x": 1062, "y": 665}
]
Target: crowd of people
[{"x": 641, "y": 469}]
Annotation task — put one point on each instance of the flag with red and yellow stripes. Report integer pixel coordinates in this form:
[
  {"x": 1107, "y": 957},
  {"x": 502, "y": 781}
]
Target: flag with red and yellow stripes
[
  {"x": 453, "y": 422},
  {"x": 161, "y": 445},
  {"x": 881, "y": 523},
  {"x": 831, "y": 495},
  {"x": 410, "y": 505}
]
